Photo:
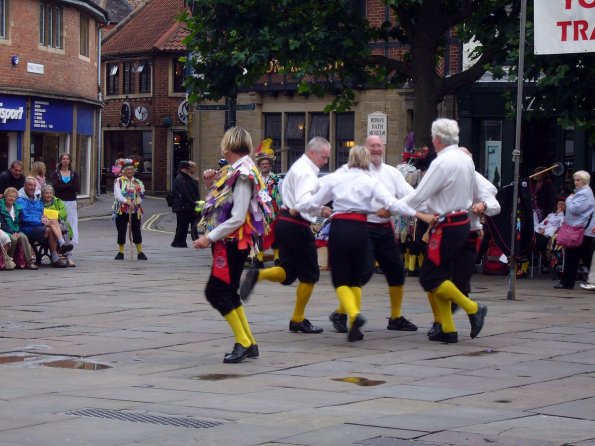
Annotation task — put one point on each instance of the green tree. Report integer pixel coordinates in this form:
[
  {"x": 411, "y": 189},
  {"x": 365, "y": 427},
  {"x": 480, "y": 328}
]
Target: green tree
[{"x": 325, "y": 47}]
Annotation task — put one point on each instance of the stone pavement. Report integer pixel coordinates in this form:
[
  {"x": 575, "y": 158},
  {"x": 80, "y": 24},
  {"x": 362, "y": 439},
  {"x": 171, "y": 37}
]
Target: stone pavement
[{"x": 149, "y": 352}]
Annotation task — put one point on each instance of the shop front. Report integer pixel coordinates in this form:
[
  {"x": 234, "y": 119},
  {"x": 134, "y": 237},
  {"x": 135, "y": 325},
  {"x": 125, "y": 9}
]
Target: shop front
[{"x": 13, "y": 122}]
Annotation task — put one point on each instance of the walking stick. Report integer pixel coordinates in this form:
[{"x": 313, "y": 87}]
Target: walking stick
[{"x": 130, "y": 233}]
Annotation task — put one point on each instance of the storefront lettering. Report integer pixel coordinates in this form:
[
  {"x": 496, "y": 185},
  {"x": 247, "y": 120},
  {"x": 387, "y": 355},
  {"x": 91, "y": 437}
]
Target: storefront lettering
[
  {"x": 39, "y": 115},
  {"x": 10, "y": 113}
]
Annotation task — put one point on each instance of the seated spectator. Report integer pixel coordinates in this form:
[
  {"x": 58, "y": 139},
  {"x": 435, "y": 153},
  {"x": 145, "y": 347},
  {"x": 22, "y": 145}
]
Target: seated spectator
[
  {"x": 548, "y": 227},
  {"x": 55, "y": 204},
  {"x": 39, "y": 227},
  {"x": 13, "y": 177},
  {"x": 10, "y": 218}
]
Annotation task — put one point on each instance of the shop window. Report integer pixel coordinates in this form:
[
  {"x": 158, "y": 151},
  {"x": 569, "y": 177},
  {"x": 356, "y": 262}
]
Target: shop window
[
  {"x": 113, "y": 79},
  {"x": 344, "y": 137},
  {"x": 181, "y": 150},
  {"x": 272, "y": 129},
  {"x": 318, "y": 126},
  {"x": 51, "y": 28},
  {"x": 47, "y": 147},
  {"x": 294, "y": 136},
  {"x": 84, "y": 35},
  {"x": 178, "y": 76},
  {"x": 128, "y": 78},
  {"x": 129, "y": 144},
  {"x": 3, "y": 19},
  {"x": 491, "y": 142}
]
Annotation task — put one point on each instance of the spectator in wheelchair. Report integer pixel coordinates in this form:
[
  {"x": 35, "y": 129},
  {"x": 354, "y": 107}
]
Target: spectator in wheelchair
[
  {"x": 10, "y": 222},
  {"x": 40, "y": 228},
  {"x": 53, "y": 203}
]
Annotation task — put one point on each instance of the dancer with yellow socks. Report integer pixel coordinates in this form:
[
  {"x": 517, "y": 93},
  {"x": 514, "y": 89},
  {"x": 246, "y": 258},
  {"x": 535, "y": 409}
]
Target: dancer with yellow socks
[
  {"x": 447, "y": 191},
  {"x": 297, "y": 249},
  {"x": 354, "y": 194},
  {"x": 233, "y": 216},
  {"x": 382, "y": 246}
]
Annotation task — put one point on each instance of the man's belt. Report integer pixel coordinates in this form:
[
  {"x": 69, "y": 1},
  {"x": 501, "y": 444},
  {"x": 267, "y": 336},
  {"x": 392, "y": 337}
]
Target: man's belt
[
  {"x": 461, "y": 217},
  {"x": 350, "y": 216},
  {"x": 285, "y": 215},
  {"x": 386, "y": 224}
]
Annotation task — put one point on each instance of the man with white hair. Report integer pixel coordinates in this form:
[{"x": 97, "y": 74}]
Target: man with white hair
[{"x": 447, "y": 191}]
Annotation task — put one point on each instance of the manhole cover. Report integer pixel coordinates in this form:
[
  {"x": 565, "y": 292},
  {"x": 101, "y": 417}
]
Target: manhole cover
[{"x": 145, "y": 417}]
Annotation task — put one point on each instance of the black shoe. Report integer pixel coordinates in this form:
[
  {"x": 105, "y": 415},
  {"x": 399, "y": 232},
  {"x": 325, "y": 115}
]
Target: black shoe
[
  {"x": 447, "y": 338},
  {"x": 339, "y": 321},
  {"x": 434, "y": 329},
  {"x": 563, "y": 287},
  {"x": 253, "y": 351},
  {"x": 401, "y": 324},
  {"x": 59, "y": 264},
  {"x": 248, "y": 284},
  {"x": 66, "y": 247},
  {"x": 141, "y": 256},
  {"x": 119, "y": 256},
  {"x": 414, "y": 273},
  {"x": 258, "y": 264},
  {"x": 179, "y": 245},
  {"x": 305, "y": 327},
  {"x": 277, "y": 262},
  {"x": 355, "y": 334},
  {"x": 238, "y": 354},
  {"x": 477, "y": 319}
]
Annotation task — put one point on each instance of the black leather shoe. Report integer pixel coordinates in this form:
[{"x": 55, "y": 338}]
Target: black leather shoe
[
  {"x": 447, "y": 338},
  {"x": 59, "y": 264},
  {"x": 477, "y": 319},
  {"x": 238, "y": 354},
  {"x": 253, "y": 351},
  {"x": 401, "y": 324},
  {"x": 119, "y": 256},
  {"x": 141, "y": 256},
  {"x": 339, "y": 321},
  {"x": 179, "y": 245},
  {"x": 305, "y": 327},
  {"x": 355, "y": 334},
  {"x": 563, "y": 287},
  {"x": 248, "y": 284},
  {"x": 66, "y": 247},
  {"x": 434, "y": 329}
]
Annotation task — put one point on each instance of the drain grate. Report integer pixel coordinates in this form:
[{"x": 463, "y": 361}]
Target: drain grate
[{"x": 144, "y": 417}]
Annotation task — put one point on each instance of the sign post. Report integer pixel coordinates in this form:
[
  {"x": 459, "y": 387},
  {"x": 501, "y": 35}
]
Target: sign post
[
  {"x": 378, "y": 125},
  {"x": 230, "y": 107}
]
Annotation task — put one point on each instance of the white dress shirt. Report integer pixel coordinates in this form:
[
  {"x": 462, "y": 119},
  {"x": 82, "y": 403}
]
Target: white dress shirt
[
  {"x": 447, "y": 185},
  {"x": 299, "y": 184},
  {"x": 354, "y": 190},
  {"x": 483, "y": 191},
  {"x": 551, "y": 223}
]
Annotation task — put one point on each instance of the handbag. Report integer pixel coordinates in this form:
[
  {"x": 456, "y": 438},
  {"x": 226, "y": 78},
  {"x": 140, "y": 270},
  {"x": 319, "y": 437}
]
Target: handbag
[
  {"x": 6, "y": 261},
  {"x": 570, "y": 236}
]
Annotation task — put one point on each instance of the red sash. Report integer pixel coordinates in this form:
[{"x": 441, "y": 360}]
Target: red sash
[
  {"x": 220, "y": 268},
  {"x": 435, "y": 242},
  {"x": 349, "y": 216}
]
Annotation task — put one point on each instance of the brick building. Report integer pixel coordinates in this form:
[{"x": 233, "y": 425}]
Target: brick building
[
  {"x": 49, "y": 99},
  {"x": 144, "y": 97}
]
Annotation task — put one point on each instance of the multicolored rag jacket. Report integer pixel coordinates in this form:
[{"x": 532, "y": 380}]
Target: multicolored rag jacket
[
  {"x": 133, "y": 190},
  {"x": 219, "y": 202},
  {"x": 272, "y": 186}
]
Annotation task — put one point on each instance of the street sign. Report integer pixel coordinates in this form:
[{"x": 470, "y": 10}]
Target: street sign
[
  {"x": 245, "y": 107},
  {"x": 211, "y": 107}
]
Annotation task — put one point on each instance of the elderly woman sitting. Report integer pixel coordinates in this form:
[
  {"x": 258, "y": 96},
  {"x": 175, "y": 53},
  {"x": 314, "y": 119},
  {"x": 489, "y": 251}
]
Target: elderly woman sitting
[
  {"x": 52, "y": 203},
  {"x": 39, "y": 227},
  {"x": 10, "y": 218}
]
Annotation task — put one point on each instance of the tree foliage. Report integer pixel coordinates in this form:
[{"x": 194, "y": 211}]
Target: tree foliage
[{"x": 232, "y": 43}]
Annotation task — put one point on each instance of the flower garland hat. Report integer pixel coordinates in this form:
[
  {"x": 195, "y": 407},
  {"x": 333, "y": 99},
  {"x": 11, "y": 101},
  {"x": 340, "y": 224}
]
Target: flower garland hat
[{"x": 123, "y": 163}]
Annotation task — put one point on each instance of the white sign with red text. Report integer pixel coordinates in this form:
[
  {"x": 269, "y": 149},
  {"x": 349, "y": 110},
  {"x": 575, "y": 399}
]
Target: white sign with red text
[{"x": 564, "y": 26}]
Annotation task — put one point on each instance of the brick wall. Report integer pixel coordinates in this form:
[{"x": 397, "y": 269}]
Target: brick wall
[{"x": 65, "y": 72}]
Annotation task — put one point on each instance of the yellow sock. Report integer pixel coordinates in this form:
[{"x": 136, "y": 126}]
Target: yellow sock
[
  {"x": 448, "y": 323},
  {"x": 449, "y": 291},
  {"x": 406, "y": 258},
  {"x": 274, "y": 274},
  {"x": 275, "y": 254},
  {"x": 121, "y": 249},
  {"x": 435, "y": 309},
  {"x": 260, "y": 256},
  {"x": 525, "y": 266},
  {"x": 139, "y": 247},
  {"x": 245, "y": 325},
  {"x": 396, "y": 300},
  {"x": 235, "y": 323},
  {"x": 420, "y": 260},
  {"x": 357, "y": 293},
  {"x": 412, "y": 260},
  {"x": 347, "y": 299},
  {"x": 302, "y": 296}
]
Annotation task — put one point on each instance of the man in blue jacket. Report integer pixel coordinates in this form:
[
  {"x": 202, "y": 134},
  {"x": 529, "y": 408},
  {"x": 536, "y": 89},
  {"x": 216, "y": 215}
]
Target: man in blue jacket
[{"x": 38, "y": 227}]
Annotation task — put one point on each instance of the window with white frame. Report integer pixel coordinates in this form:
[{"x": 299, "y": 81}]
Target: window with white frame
[
  {"x": 84, "y": 35},
  {"x": 113, "y": 78},
  {"x": 51, "y": 27},
  {"x": 3, "y": 19}
]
